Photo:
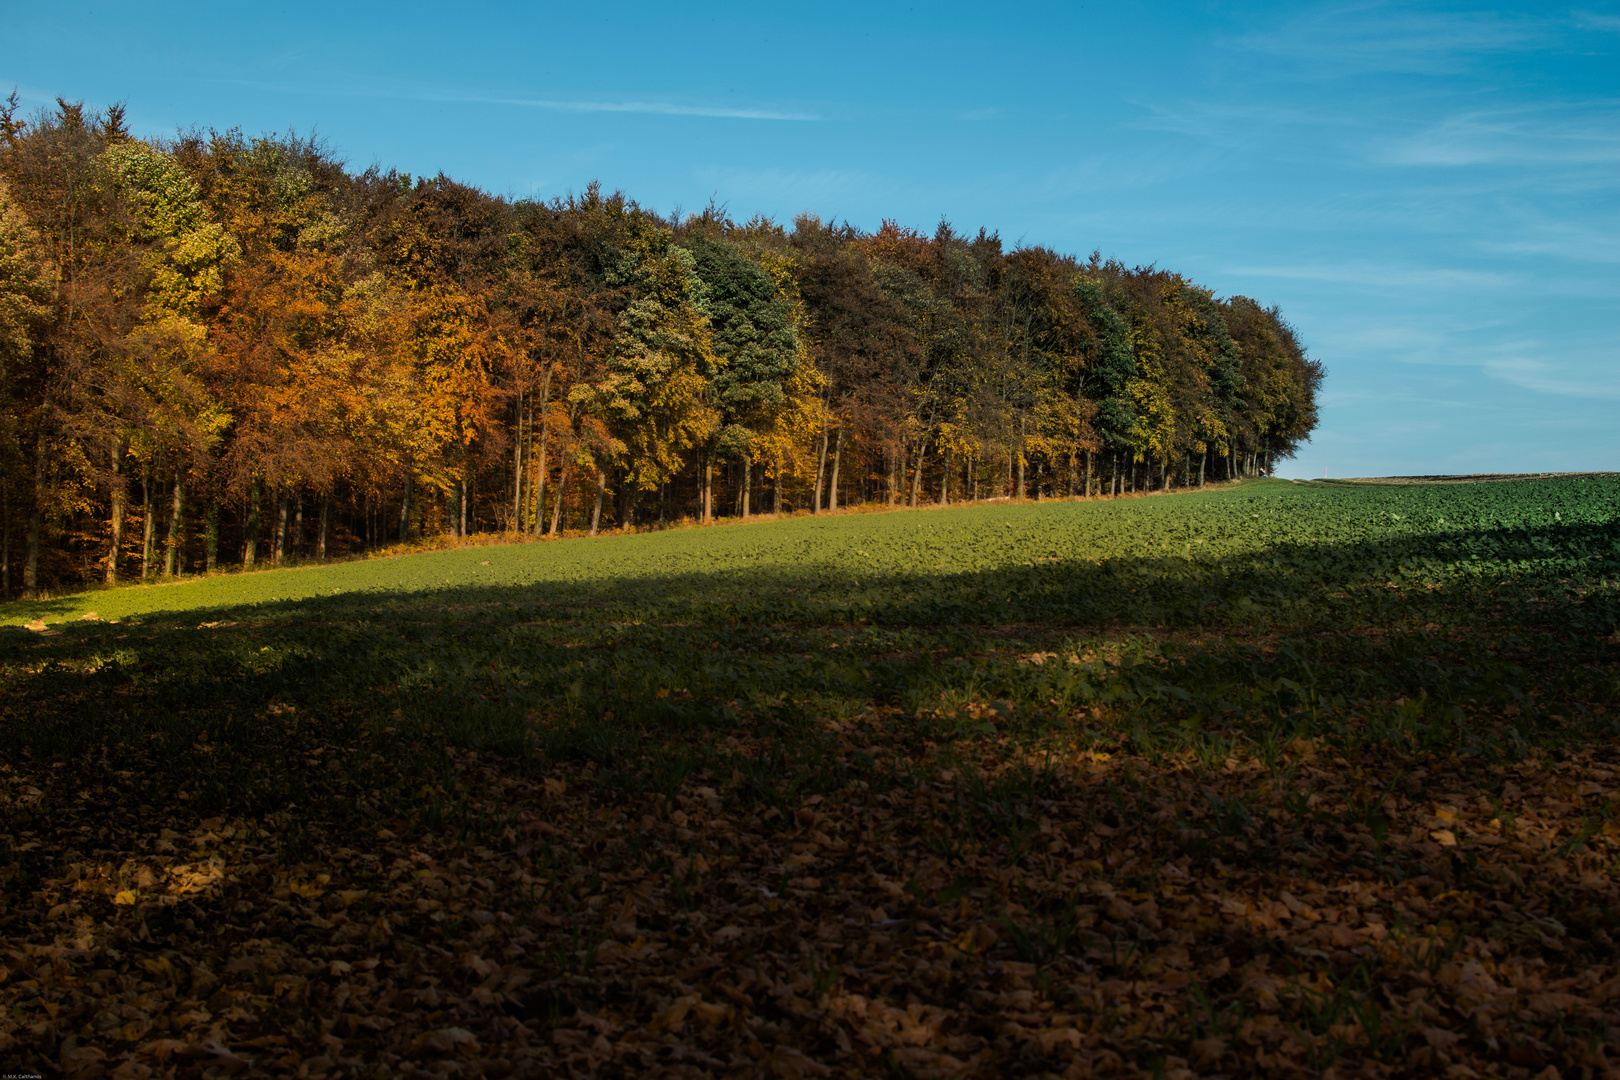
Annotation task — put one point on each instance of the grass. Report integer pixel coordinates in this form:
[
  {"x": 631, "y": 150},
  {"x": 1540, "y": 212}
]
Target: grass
[{"x": 1016, "y": 745}]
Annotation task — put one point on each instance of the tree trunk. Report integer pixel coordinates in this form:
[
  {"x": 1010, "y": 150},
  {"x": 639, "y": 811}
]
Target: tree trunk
[
  {"x": 917, "y": 475},
  {"x": 119, "y": 493},
  {"x": 838, "y": 458},
  {"x": 279, "y": 552},
  {"x": 250, "y": 544},
  {"x": 35, "y": 521},
  {"x": 540, "y": 471},
  {"x": 776, "y": 486},
  {"x": 601, "y": 490},
  {"x": 211, "y": 536},
  {"x": 821, "y": 467},
  {"x": 706, "y": 510},
  {"x": 517, "y": 469},
  {"x": 897, "y": 480},
  {"x": 405, "y": 510},
  {"x": 149, "y": 526},
  {"x": 461, "y": 508},
  {"x": 5, "y": 542},
  {"x": 540, "y": 486},
  {"x": 171, "y": 556},
  {"x": 562, "y": 497},
  {"x": 1088, "y": 474},
  {"x": 747, "y": 480},
  {"x": 320, "y": 543}
]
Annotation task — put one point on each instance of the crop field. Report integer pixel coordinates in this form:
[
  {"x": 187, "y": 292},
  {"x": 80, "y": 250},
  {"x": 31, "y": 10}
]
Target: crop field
[{"x": 1265, "y": 780}]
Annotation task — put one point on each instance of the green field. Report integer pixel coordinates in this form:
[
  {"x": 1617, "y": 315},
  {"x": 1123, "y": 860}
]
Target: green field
[{"x": 1288, "y": 770}]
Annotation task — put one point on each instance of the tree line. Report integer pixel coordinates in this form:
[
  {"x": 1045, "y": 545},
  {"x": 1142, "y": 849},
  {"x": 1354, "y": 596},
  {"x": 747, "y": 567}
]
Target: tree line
[{"x": 218, "y": 350}]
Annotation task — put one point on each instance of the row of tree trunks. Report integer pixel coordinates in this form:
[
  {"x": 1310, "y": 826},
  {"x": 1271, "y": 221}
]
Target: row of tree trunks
[{"x": 533, "y": 484}]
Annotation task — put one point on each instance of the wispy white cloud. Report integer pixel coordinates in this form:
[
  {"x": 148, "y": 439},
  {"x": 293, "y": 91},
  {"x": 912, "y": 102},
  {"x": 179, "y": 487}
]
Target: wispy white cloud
[
  {"x": 1591, "y": 20},
  {"x": 654, "y": 108},
  {"x": 1567, "y": 241},
  {"x": 394, "y": 90},
  {"x": 1445, "y": 357},
  {"x": 1338, "y": 39},
  {"x": 1532, "y": 373},
  {"x": 1402, "y": 341},
  {"x": 1226, "y": 121},
  {"x": 1577, "y": 133},
  {"x": 1373, "y": 276}
]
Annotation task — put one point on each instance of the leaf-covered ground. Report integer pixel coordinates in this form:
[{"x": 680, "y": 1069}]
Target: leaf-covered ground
[{"x": 1268, "y": 781}]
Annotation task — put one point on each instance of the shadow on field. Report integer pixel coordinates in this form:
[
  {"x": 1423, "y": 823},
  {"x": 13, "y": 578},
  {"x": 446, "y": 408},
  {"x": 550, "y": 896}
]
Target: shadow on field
[
  {"x": 348, "y": 745},
  {"x": 1171, "y": 651}
]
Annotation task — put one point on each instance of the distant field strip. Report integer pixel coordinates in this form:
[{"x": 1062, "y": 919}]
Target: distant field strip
[
  {"x": 1470, "y": 478},
  {"x": 877, "y": 562}
]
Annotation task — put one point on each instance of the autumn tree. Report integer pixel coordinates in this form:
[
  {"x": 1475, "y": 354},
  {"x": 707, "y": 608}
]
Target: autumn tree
[{"x": 254, "y": 338}]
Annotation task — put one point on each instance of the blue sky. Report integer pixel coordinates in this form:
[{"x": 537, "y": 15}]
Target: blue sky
[{"x": 1431, "y": 193}]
